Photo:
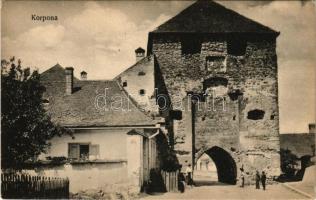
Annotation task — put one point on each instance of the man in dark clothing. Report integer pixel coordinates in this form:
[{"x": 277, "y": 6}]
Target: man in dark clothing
[
  {"x": 181, "y": 180},
  {"x": 188, "y": 171},
  {"x": 242, "y": 177},
  {"x": 257, "y": 180},
  {"x": 263, "y": 180}
]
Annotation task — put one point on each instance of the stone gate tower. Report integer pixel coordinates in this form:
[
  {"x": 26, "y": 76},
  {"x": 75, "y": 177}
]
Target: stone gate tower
[{"x": 227, "y": 64}]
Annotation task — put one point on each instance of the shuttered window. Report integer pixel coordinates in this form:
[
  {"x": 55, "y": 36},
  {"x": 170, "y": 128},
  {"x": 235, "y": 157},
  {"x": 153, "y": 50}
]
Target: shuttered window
[
  {"x": 73, "y": 151},
  {"x": 83, "y": 151},
  {"x": 94, "y": 150}
]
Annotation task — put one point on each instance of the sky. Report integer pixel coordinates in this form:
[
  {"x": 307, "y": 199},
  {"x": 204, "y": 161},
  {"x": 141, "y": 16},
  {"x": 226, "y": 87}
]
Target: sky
[{"x": 100, "y": 37}]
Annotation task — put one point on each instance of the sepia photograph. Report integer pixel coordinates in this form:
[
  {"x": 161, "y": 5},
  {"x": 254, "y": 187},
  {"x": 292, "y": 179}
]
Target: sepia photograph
[{"x": 158, "y": 99}]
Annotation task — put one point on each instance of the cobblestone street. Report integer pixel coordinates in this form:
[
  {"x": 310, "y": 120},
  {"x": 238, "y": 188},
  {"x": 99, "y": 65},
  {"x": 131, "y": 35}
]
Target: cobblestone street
[{"x": 221, "y": 191}]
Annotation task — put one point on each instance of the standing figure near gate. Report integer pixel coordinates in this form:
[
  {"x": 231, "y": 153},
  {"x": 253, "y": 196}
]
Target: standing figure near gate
[
  {"x": 257, "y": 180},
  {"x": 263, "y": 180},
  {"x": 188, "y": 172},
  {"x": 242, "y": 177}
]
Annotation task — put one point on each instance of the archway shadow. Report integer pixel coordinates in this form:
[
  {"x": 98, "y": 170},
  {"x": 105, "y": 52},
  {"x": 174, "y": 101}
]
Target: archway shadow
[{"x": 225, "y": 165}]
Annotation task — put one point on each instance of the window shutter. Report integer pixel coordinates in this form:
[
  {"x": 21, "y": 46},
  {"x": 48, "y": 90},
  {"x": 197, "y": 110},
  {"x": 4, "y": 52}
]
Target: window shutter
[
  {"x": 94, "y": 150},
  {"x": 73, "y": 151}
]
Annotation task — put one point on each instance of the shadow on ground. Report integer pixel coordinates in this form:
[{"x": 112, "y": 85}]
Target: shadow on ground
[{"x": 199, "y": 183}]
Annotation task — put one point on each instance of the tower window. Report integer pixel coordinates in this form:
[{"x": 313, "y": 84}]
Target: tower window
[
  {"x": 141, "y": 73},
  {"x": 45, "y": 101},
  {"x": 236, "y": 47},
  {"x": 190, "y": 45},
  {"x": 142, "y": 92},
  {"x": 214, "y": 82},
  {"x": 255, "y": 114},
  {"x": 125, "y": 84},
  {"x": 216, "y": 64}
]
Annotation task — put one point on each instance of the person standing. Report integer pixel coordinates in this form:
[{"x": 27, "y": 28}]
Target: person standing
[
  {"x": 242, "y": 177},
  {"x": 188, "y": 171},
  {"x": 257, "y": 180},
  {"x": 181, "y": 180},
  {"x": 263, "y": 180}
]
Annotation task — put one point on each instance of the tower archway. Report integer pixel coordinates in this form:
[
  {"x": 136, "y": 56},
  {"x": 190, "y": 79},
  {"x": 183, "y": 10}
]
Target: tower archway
[{"x": 225, "y": 164}]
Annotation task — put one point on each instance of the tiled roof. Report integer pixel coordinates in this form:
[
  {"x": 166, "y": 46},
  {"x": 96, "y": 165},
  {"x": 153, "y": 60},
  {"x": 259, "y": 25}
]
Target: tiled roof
[
  {"x": 79, "y": 109},
  {"x": 205, "y": 16}
]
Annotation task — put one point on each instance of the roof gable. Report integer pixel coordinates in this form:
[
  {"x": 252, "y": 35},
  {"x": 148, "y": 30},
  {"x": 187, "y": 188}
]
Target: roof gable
[
  {"x": 205, "y": 16},
  {"x": 54, "y": 74},
  {"x": 148, "y": 60}
]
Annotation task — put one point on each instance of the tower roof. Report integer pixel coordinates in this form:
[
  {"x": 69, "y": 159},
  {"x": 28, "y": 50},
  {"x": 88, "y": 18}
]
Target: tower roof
[{"x": 206, "y": 16}]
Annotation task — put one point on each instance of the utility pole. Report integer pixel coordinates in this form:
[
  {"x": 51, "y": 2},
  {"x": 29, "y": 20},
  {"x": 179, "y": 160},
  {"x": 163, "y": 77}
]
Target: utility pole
[{"x": 193, "y": 110}]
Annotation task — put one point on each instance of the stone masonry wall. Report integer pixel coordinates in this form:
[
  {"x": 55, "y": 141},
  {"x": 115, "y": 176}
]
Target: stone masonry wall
[{"x": 251, "y": 85}]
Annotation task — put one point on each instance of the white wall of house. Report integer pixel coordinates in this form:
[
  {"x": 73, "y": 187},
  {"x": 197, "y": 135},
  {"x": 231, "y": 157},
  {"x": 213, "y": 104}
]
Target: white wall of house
[
  {"x": 142, "y": 157},
  {"x": 140, "y": 77},
  {"x": 134, "y": 155},
  {"x": 120, "y": 159},
  {"x": 111, "y": 142},
  {"x": 84, "y": 176}
]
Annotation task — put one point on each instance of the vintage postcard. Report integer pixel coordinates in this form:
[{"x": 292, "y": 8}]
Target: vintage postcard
[{"x": 158, "y": 99}]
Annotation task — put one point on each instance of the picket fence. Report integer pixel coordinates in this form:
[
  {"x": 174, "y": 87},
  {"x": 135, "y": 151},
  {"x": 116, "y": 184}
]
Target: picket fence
[
  {"x": 25, "y": 186},
  {"x": 170, "y": 180}
]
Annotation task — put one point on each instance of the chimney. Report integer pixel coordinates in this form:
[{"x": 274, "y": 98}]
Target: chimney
[
  {"x": 311, "y": 128},
  {"x": 69, "y": 72},
  {"x": 83, "y": 75},
  {"x": 140, "y": 53}
]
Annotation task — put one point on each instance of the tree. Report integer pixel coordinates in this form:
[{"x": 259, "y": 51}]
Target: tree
[
  {"x": 25, "y": 125},
  {"x": 288, "y": 162}
]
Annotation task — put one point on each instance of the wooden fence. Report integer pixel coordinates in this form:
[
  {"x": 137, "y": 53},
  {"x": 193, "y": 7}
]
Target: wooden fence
[
  {"x": 170, "y": 180},
  {"x": 25, "y": 186}
]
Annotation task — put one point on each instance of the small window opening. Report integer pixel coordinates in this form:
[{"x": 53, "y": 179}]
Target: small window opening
[
  {"x": 233, "y": 95},
  {"x": 176, "y": 114},
  {"x": 236, "y": 47},
  {"x": 272, "y": 117},
  {"x": 215, "y": 64},
  {"x": 142, "y": 92},
  {"x": 190, "y": 45},
  {"x": 215, "y": 82},
  {"x": 125, "y": 84},
  {"x": 255, "y": 114},
  {"x": 141, "y": 73},
  {"x": 234, "y": 117},
  {"x": 45, "y": 101}
]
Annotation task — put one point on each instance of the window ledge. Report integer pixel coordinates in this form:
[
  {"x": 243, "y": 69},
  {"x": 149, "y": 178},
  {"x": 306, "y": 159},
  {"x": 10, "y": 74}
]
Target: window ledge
[{"x": 99, "y": 161}]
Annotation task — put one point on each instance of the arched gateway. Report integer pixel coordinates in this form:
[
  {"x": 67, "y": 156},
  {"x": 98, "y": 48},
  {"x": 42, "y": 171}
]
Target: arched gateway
[{"x": 225, "y": 164}]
